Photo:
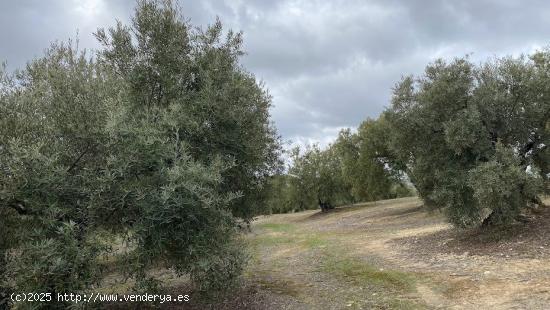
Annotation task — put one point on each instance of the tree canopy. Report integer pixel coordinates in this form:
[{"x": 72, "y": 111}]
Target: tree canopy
[
  {"x": 219, "y": 109},
  {"x": 474, "y": 139}
]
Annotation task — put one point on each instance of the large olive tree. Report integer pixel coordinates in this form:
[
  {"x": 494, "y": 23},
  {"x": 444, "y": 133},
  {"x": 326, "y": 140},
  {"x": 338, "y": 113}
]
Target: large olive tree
[
  {"x": 474, "y": 139},
  {"x": 162, "y": 139}
]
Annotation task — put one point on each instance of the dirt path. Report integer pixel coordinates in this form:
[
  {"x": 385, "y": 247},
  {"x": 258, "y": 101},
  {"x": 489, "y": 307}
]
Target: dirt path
[{"x": 392, "y": 255}]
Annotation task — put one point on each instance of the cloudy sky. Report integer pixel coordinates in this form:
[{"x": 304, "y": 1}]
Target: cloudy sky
[{"x": 328, "y": 64}]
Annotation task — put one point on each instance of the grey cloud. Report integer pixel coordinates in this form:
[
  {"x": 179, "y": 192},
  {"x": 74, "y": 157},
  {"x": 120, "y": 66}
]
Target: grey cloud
[
  {"x": 29, "y": 27},
  {"x": 328, "y": 64}
]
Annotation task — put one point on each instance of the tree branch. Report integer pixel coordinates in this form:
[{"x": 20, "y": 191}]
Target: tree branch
[
  {"x": 88, "y": 147},
  {"x": 18, "y": 206}
]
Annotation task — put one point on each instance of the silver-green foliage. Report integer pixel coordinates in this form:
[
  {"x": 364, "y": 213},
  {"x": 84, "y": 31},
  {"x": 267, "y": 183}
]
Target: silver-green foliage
[
  {"x": 162, "y": 138},
  {"x": 51, "y": 143},
  {"x": 317, "y": 176},
  {"x": 474, "y": 139},
  {"x": 365, "y": 157},
  {"x": 218, "y": 107}
]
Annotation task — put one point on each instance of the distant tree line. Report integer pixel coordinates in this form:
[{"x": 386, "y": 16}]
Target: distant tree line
[{"x": 354, "y": 168}]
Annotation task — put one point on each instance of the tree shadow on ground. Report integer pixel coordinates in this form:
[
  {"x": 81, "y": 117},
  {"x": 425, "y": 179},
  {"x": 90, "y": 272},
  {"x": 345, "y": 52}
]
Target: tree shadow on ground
[{"x": 527, "y": 239}]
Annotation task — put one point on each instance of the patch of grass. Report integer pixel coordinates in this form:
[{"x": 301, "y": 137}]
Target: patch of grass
[
  {"x": 387, "y": 289},
  {"x": 272, "y": 240},
  {"x": 278, "y": 237},
  {"x": 315, "y": 242},
  {"x": 277, "y": 227},
  {"x": 276, "y": 234},
  {"x": 362, "y": 273}
]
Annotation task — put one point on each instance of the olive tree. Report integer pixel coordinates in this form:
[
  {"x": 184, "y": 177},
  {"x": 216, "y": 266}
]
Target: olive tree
[
  {"x": 472, "y": 138},
  {"x": 281, "y": 194},
  {"x": 317, "y": 179},
  {"x": 374, "y": 177},
  {"x": 162, "y": 138}
]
